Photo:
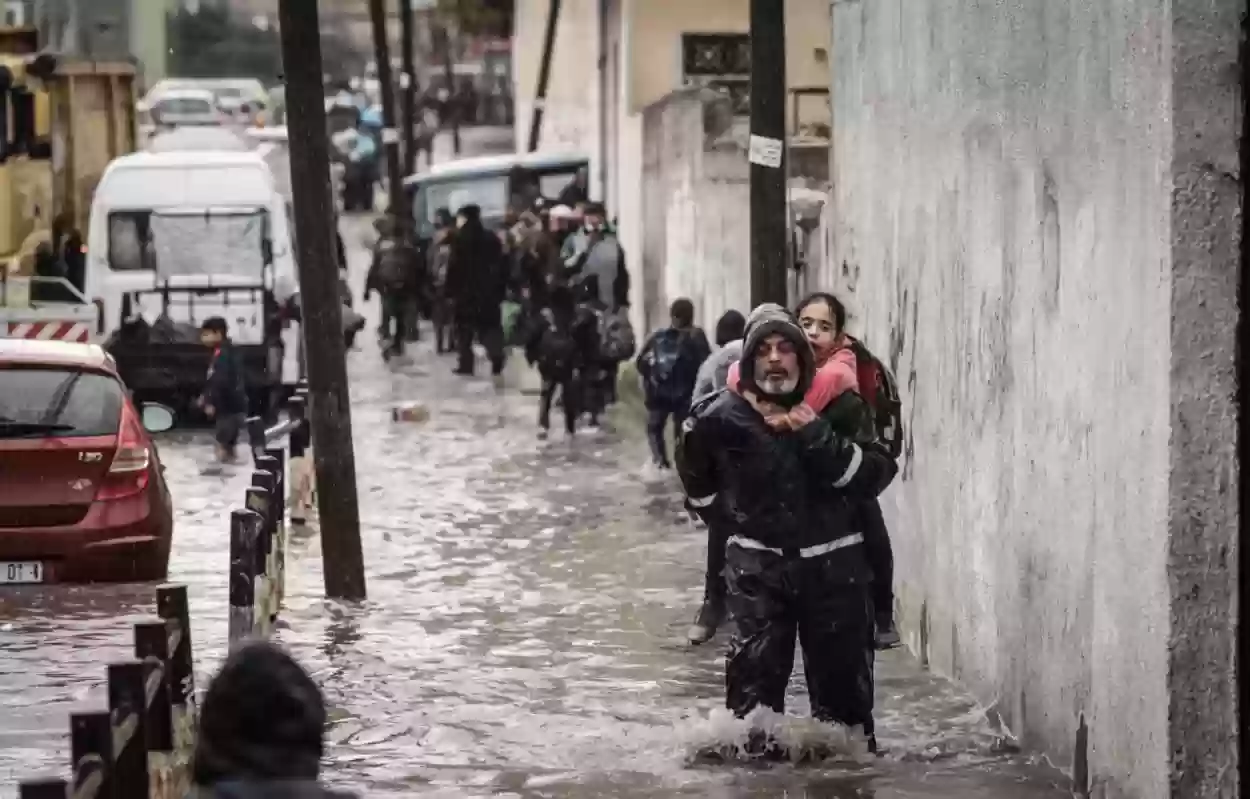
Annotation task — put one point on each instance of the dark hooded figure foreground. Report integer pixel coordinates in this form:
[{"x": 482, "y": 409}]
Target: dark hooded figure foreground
[
  {"x": 477, "y": 283},
  {"x": 794, "y": 563},
  {"x": 261, "y": 730}
]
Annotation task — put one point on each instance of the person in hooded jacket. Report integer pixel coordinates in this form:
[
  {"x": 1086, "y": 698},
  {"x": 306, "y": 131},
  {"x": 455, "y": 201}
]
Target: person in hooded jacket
[
  {"x": 477, "y": 283},
  {"x": 793, "y": 563},
  {"x": 261, "y": 730},
  {"x": 711, "y": 378}
]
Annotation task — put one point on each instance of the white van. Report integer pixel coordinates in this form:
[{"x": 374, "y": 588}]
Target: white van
[{"x": 208, "y": 228}]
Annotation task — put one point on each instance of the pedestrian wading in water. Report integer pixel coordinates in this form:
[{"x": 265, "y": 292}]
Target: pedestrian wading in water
[
  {"x": 711, "y": 378},
  {"x": 261, "y": 730},
  {"x": 225, "y": 396},
  {"x": 777, "y": 476},
  {"x": 836, "y": 393},
  {"x": 562, "y": 344},
  {"x": 669, "y": 364}
]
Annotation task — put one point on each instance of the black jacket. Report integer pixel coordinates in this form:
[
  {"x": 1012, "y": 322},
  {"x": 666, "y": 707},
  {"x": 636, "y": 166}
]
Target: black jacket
[
  {"x": 224, "y": 387},
  {"x": 784, "y": 490},
  {"x": 477, "y": 274}
]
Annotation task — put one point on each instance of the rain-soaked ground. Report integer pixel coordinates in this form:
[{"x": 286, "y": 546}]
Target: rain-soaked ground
[{"x": 523, "y": 633}]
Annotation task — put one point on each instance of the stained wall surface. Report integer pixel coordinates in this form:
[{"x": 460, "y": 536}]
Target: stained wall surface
[{"x": 1036, "y": 218}]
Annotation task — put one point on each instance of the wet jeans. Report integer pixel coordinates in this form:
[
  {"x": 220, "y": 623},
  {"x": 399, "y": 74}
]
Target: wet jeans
[
  {"x": 772, "y": 597},
  {"x": 657, "y": 418},
  {"x": 880, "y": 556},
  {"x": 394, "y": 320}
]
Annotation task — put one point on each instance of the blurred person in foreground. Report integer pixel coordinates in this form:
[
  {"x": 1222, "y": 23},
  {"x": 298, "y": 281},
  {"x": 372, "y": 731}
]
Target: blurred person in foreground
[{"x": 261, "y": 730}]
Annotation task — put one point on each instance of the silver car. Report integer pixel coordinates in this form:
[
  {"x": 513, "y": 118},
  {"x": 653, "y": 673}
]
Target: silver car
[{"x": 186, "y": 107}]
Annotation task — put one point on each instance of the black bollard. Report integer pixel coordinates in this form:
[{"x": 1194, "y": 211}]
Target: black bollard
[
  {"x": 172, "y": 607},
  {"x": 127, "y": 706},
  {"x": 256, "y": 436},
  {"x": 152, "y": 648},
  {"x": 245, "y": 526},
  {"x": 51, "y": 788},
  {"x": 91, "y": 753}
]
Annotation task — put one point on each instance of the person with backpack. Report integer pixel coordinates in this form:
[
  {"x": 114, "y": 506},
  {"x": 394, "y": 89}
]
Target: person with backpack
[
  {"x": 559, "y": 344},
  {"x": 669, "y": 364},
  {"x": 858, "y": 395},
  {"x": 390, "y": 274}
]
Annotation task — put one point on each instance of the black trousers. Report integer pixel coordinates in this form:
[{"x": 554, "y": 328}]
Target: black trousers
[
  {"x": 772, "y": 598},
  {"x": 567, "y": 384},
  {"x": 657, "y": 419},
  {"x": 394, "y": 321},
  {"x": 489, "y": 336},
  {"x": 880, "y": 557}
]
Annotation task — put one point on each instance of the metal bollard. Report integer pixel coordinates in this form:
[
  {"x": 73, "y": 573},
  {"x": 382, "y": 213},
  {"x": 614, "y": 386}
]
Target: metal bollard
[
  {"x": 128, "y": 711},
  {"x": 245, "y": 528},
  {"x": 152, "y": 649},
  {"x": 258, "y": 500},
  {"x": 52, "y": 788},
  {"x": 265, "y": 479},
  {"x": 279, "y": 496},
  {"x": 91, "y": 753},
  {"x": 172, "y": 607},
  {"x": 299, "y": 466},
  {"x": 256, "y": 436}
]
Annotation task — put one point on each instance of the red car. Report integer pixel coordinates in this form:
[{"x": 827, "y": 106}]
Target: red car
[{"x": 82, "y": 491}]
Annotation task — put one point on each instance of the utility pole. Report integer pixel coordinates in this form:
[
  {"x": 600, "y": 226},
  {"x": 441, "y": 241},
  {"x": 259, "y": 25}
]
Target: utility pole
[
  {"x": 544, "y": 74},
  {"x": 449, "y": 74},
  {"x": 390, "y": 136},
  {"x": 770, "y": 239},
  {"x": 321, "y": 321},
  {"x": 408, "y": 106}
]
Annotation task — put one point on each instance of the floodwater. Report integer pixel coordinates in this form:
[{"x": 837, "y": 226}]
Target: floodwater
[{"x": 523, "y": 633}]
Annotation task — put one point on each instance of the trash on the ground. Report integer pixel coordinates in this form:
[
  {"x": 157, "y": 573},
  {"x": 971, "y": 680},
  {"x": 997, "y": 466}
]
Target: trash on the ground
[{"x": 414, "y": 412}]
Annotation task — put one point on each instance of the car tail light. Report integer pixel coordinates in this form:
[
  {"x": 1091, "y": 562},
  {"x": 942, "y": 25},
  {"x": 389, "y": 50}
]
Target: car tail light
[{"x": 128, "y": 474}]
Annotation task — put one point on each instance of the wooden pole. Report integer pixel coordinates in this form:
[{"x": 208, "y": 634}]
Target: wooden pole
[
  {"x": 770, "y": 241},
  {"x": 408, "y": 105},
  {"x": 322, "y": 325},
  {"x": 386, "y": 85}
]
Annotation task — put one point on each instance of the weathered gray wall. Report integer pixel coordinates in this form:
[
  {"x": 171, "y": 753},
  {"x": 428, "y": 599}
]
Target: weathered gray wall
[{"x": 1036, "y": 216}]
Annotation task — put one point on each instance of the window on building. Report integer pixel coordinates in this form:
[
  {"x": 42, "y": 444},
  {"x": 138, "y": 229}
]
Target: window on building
[
  {"x": 15, "y": 13},
  {"x": 720, "y": 61}
]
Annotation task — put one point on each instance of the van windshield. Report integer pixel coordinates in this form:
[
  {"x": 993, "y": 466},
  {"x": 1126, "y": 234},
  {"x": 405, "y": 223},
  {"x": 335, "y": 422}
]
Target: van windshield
[
  {"x": 489, "y": 193},
  {"x": 181, "y": 245}
]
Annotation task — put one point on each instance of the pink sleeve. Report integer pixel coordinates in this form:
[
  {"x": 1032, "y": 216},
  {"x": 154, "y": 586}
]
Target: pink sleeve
[
  {"x": 732, "y": 378},
  {"x": 831, "y": 380}
]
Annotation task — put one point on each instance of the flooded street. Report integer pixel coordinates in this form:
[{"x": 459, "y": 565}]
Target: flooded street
[{"x": 524, "y": 629}]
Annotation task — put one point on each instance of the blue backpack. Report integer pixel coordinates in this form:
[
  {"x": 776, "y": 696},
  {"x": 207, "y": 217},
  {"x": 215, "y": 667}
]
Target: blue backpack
[{"x": 668, "y": 379}]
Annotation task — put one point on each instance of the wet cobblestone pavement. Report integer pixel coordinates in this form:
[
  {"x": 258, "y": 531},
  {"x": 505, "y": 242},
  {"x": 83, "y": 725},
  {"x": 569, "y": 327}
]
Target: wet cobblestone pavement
[{"x": 523, "y": 633}]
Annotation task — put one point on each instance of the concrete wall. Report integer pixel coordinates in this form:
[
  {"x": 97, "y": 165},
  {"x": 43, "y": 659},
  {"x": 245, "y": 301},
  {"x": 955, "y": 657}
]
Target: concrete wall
[
  {"x": 1036, "y": 218},
  {"x": 696, "y": 213}
]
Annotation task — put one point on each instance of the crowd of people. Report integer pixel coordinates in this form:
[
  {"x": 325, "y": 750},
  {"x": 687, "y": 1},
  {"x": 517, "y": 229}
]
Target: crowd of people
[
  {"x": 561, "y": 271},
  {"x": 786, "y": 431}
]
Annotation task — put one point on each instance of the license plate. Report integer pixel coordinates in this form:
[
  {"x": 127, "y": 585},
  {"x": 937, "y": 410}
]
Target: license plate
[{"x": 23, "y": 572}]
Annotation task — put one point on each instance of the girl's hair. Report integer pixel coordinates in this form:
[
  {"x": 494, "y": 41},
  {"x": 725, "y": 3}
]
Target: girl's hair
[{"x": 835, "y": 305}]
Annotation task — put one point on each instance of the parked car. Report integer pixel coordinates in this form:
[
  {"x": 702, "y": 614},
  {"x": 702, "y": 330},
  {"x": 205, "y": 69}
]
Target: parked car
[
  {"x": 180, "y": 107},
  {"x": 83, "y": 496}
]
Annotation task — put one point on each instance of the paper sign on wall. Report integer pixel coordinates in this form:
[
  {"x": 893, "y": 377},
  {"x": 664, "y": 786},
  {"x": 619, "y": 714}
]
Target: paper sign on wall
[{"x": 765, "y": 151}]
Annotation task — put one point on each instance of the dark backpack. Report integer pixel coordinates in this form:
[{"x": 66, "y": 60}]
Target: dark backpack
[
  {"x": 668, "y": 378},
  {"x": 616, "y": 336},
  {"x": 392, "y": 265},
  {"x": 557, "y": 350},
  {"x": 880, "y": 390}
]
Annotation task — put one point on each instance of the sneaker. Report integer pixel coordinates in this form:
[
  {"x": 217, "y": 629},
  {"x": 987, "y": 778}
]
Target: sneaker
[
  {"x": 887, "y": 635},
  {"x": 711, "y": 616}
]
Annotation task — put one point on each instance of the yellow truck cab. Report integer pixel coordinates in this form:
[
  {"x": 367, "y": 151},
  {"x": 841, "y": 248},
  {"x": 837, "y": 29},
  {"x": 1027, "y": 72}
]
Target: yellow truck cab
[{"x": 63, "y": 122}]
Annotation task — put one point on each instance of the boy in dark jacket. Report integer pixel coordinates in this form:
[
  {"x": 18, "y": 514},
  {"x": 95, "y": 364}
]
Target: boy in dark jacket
[
  {"x": 669, "y": 364},
  {"x": 225, "y": 398},
  {"x": 561, "y": 343}
]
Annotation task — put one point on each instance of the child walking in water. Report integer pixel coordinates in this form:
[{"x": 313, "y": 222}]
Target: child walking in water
[{"x": 835, "y": 393}]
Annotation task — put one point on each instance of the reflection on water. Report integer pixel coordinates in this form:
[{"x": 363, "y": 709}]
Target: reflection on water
[{"x": 522, "y": 635}]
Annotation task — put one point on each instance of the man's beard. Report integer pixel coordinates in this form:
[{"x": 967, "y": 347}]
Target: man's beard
[{"x": 778, "y": 384}]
